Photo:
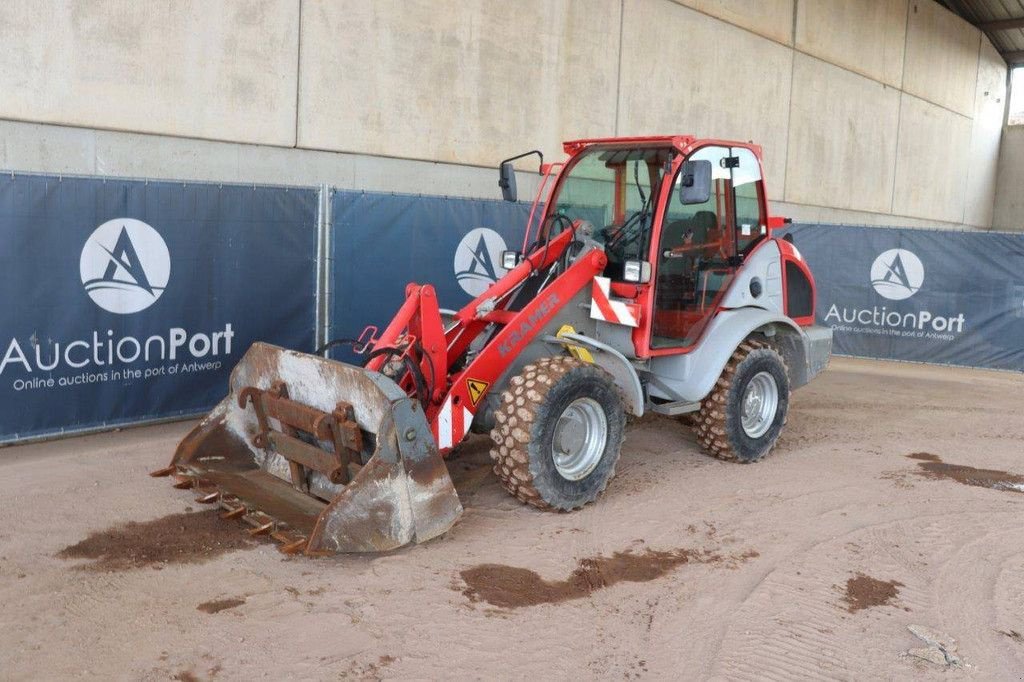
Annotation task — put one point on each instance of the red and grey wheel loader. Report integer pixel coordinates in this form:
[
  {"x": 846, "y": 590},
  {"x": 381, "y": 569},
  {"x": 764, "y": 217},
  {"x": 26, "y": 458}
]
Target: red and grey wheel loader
[{"x": 649, "y": 279}]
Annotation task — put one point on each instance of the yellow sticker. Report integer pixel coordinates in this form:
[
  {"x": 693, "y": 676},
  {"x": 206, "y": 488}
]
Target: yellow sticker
[
  {"x": 578, "y": 352},
  {"x": 476, "y": 389}
]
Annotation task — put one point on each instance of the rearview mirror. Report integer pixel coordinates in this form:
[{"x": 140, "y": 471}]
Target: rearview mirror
[
  {"x": 695, "y": 182},
  {"x": 507, "y": 181}
]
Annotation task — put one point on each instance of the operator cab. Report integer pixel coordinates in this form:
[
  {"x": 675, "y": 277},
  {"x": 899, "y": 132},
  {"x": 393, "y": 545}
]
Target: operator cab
[{"x": 634, "y": 201}]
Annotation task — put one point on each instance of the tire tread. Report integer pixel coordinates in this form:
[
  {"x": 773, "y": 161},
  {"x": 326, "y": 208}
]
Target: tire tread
[
  {"x": 710, "y": 426},
  {"x": 515, "y": 417}
]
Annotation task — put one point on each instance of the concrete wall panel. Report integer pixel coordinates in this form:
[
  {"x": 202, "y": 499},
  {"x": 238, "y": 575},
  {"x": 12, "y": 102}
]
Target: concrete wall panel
[
  {"x": 770, "y": 18},
  {"x": 866, "y": 37},
  {"x": 46, "y": 148},
  {"x": 220, "y": 69},
  {"x": 1009, "y": 205},
  {"x": 805, "y": 213},
  {"x": 842, "y": 138},
  {"x": 706, "y": 78},
  {"x": 986, "y": 129},
  {"x": 427, "y": 95},
  {"x": 471, "y": 82},
  {"x": 942, "y": 57},
  {"x": 34, "y": 147},
  {"x": 931, "y": 162}
]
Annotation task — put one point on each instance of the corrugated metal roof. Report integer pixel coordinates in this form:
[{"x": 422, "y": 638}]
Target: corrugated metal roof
[{"x": 1001, "y": 20}]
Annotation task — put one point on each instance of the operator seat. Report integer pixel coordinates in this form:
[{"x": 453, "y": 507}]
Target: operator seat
[
  {"x": 671, "y": 237},
  {"x": 705, "y": 228}
]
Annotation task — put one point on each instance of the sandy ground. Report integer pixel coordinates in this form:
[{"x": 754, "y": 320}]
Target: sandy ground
[{"x": 757, "y": 589}]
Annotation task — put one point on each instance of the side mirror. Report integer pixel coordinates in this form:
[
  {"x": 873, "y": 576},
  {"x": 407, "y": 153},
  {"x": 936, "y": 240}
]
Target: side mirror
[
  {"x": 507, "y": 181},
  {"x": 695, "y": 182}
]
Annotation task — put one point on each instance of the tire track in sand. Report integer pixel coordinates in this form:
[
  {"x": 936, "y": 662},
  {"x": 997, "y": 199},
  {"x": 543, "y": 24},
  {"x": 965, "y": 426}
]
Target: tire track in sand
[{"x": 791, "y": 625}]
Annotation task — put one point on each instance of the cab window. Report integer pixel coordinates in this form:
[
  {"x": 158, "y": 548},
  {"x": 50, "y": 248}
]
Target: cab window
[{"x": 616, "y": 191}]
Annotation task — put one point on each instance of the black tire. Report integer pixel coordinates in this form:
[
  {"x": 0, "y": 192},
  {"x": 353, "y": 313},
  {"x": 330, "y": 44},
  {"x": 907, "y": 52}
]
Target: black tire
[
  {"x": 525, "y": 426},
  {"x": 719, "y": 425}
]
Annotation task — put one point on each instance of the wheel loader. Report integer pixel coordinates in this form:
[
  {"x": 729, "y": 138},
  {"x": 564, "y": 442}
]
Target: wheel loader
[{"x": 649, "y": 279}]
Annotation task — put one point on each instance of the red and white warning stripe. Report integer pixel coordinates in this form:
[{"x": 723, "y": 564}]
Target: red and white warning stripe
[
  {"x": 604, "y": 307},
  {"x": 451, "y": 424}
]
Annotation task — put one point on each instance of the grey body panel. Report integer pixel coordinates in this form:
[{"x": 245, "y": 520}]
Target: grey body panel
[
  {"x": 618, "y": 336},
  {"x": 819, "y": 350},
  {"x": 692, "y": 375},
  {"x": 765, "y": 265}
]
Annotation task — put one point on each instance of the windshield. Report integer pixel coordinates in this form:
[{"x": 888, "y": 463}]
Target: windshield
[{"x": 614, "y": 189}]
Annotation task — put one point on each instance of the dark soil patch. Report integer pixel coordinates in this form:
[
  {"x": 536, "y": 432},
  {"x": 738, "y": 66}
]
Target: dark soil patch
[
  {"x": 368, "y": 670},
  {"x": 175, "y": 539},
  {"x": 218, "y": 605},
  {"x": 1014, "y": 635},
  {"x": 512, "y": 587},
  {"x": 863, "y": 591},
  {"x": 933, "y": 467}
]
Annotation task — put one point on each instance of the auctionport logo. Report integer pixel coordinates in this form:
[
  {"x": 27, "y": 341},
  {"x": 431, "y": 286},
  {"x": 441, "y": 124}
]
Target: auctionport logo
[
  {"x": 478, "y": 260},
  {"x": 897, "y": 274},
  {"x": 125, "y": 266}
]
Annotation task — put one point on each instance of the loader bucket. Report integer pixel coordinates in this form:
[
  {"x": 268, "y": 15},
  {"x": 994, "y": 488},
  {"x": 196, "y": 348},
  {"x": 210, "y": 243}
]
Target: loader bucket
[{"x": 323, "y": 456}]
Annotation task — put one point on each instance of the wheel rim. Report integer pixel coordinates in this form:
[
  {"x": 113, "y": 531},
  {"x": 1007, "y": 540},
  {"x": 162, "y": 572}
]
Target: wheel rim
[
  {"x": 759, "y": 404},
  {"x": 579, "y": 439}
]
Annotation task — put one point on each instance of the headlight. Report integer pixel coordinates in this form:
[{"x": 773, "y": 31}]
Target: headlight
[
  {"x": 636, "y": 271},
  {"x": 510, "y": 259}
]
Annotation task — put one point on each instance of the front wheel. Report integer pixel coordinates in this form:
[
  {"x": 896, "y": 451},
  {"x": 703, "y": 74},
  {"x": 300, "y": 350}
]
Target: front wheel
[
  {"x": 742, "y": 417},
  {"x": 558, "y": 432}
]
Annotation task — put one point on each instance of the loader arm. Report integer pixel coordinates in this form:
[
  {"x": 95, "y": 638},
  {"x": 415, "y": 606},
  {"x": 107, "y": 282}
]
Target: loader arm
[
  {"x": 452, "y": 420},
  {"x": 430, "y": 363},
  {"x": 491, "y": 307},
  {"x": 415, "y": 345}
]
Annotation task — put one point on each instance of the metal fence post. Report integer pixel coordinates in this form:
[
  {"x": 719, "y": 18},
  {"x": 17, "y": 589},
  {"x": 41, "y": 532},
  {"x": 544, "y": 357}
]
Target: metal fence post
[{"x": 323, "y": 270}]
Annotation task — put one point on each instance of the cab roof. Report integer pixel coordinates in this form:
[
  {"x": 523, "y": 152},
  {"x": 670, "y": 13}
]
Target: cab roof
[{"x": 680, "y": 142}]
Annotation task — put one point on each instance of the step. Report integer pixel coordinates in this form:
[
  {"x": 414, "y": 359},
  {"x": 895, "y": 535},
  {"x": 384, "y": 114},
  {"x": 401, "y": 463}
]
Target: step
[{"x": 675, "y": 409}]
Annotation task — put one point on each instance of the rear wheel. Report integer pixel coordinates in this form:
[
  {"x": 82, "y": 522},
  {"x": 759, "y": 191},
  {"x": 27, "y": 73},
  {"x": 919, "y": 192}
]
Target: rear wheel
[
  {"x": 742, "y": 417},
  {"x": 557, "y": 434}
]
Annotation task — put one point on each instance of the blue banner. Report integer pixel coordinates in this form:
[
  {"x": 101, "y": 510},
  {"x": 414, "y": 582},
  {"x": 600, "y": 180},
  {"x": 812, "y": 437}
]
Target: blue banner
[
  {"x": 920, "y": 295},
  {"x": 126, "y": 301},
  {"x": 381, "y": 242}
]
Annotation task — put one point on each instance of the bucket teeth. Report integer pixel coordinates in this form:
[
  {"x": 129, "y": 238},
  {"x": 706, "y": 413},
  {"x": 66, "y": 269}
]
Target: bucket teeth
[
  {"x": 289, "y": 540},
  {"x": 260, "y": 522},
  {"x": 291, "y": 543},
  {"x": 294, "y": 547},
  {"x": 262, "y": 529},
  {"x": 183, "y": 481},
  {"x": 166, "y": 471},
  {"x": 235, "y": 513}
]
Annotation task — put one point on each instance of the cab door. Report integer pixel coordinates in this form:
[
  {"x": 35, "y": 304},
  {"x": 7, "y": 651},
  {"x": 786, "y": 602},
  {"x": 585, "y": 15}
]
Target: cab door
[{"x": 702, "y": 246}]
